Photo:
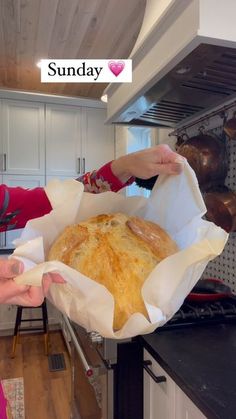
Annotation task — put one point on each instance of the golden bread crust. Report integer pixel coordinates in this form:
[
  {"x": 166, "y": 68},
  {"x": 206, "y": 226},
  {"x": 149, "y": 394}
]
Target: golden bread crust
[
  {"x": 117, "y": 251},
  {"x": 159, "y": 241}
]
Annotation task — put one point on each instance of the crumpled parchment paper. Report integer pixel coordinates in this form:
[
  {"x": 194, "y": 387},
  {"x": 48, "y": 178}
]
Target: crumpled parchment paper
[{"x": 175, "y": 203}]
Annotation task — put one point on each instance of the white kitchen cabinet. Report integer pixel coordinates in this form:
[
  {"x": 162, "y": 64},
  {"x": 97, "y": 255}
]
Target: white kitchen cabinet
[
  {"x": 22, "y": 138},
  {"x": 185, "y": 409},
  {"x": 165, "y": 400},
  {"x": 6, "y": 238},
  {"x": 8, "y": 316},
  {"x": 159, "y": 398},
  {"x": 77, "y": 140},
  {"x": 40, "y": 141},
  {"x": 98, "y": 143},
  {"x": 63, "y": 141}
]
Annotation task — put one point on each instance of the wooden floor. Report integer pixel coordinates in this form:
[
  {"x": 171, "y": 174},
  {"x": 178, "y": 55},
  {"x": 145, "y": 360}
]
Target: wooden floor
[{"x": 47, "y": 394}]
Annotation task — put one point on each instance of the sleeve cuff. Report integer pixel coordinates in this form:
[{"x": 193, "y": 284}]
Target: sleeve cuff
[{"x": 106, "y": 172}]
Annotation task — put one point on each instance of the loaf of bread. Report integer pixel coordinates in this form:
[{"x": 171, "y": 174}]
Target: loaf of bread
[{"x": 117, "y": 251}]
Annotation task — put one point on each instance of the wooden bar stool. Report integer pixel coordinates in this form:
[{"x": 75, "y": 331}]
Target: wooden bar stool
[{"x": 18, "y": 328}]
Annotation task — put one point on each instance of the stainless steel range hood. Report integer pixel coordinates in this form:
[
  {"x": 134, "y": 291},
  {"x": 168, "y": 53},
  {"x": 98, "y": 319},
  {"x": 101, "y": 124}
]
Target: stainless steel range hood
[{"x": 184, "y": 64}]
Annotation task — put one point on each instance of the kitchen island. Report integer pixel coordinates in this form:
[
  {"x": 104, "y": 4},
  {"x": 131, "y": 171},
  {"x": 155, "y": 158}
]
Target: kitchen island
[{"x": 201, "y": 360}]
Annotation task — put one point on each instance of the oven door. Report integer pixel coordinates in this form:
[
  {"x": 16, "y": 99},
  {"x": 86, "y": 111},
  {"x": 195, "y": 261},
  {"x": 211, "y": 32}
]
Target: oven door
[{"x": 92, "y": 381}]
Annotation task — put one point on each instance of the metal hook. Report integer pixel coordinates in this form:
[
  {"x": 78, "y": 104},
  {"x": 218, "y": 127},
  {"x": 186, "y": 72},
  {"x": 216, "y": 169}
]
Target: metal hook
[
  {"x": 224, "y": 116},
  {"x": 201, "y": 129}
]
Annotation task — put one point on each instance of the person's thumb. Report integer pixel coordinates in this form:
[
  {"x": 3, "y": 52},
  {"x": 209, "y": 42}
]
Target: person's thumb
[{"x": 9, "y": 268}]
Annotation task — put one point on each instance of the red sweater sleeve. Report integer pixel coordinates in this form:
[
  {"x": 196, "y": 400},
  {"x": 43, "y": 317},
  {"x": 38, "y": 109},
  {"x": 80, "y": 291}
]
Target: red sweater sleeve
[
  {"x": 18, "y": 205},
  {"x": 102, "y": 180}
]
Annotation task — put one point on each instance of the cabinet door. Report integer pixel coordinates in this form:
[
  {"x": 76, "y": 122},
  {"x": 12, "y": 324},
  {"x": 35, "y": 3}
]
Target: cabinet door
[
  {"x": 185, "y": 408},
  {"x": 23, "y": 137},
  {"x": 63, "y": 141},
  {"x": 7, "y": 314},
  {"x": 159, "y": 398},
  {"x": 6, "y": 238},
  {"x": 98, "y": 144}
]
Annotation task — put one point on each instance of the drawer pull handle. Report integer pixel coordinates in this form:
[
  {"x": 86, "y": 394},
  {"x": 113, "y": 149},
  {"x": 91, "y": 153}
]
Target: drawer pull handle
[
  {"x": 157, "y": 379},
  {"x": 78, "y": 165},
  {"x": 4, "y": 162}
]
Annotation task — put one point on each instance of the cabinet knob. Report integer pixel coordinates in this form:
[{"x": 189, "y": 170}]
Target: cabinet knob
[{"x": 157, "y": 379}]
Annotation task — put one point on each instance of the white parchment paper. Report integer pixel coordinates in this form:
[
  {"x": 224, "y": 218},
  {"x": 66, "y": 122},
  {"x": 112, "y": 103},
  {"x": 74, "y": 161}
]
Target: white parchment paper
[{"x": 175, "y": 203}]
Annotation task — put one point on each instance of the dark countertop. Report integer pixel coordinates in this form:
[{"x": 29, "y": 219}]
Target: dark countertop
[
  {"x": 202, "y": 362},
  {"x": 6, "y": 251}
]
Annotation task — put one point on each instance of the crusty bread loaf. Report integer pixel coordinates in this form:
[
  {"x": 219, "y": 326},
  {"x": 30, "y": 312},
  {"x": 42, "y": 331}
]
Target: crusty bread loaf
[{"x": 117, "y": 251}]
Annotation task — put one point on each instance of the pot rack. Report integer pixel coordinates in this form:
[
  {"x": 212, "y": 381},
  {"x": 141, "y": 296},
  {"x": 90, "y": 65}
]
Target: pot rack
[
  {"x": 221, "y": 112},
  {"x": 223, "y": 266}
]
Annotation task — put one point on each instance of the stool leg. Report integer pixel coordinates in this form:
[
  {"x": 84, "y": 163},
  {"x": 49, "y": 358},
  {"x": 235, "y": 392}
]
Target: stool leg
[
  {"x": 16, "y": 330},
  {"x": 45, "y": 326}
]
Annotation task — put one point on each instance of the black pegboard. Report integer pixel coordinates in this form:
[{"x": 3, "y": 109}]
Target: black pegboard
[{"x": 224, "y": 266}]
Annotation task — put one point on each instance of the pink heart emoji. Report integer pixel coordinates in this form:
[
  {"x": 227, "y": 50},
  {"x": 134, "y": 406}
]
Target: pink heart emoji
[{"x": 116, "y": 67}]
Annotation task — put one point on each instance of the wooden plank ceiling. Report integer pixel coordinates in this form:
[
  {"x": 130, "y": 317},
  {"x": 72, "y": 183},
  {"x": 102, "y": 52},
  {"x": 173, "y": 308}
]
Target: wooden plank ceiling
[{"x": 34, "y": 29}]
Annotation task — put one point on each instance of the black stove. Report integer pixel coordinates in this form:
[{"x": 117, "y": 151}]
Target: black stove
[{"x": 200, "y": 313}]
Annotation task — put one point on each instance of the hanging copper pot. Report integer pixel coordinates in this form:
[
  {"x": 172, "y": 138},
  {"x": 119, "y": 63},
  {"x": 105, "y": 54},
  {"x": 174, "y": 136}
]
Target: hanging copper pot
[
  {"x": 221, "y": 208},
  {"x": 207, "y": 156}
]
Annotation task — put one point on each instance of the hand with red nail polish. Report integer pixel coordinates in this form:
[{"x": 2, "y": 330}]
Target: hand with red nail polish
[{"x": 25, "y": 295}]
